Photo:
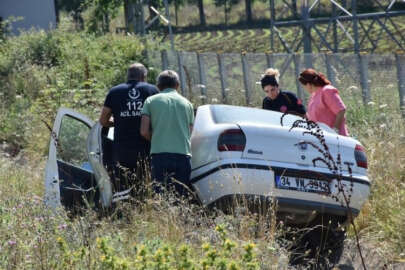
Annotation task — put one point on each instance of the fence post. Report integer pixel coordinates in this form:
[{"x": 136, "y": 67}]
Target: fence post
[
  {"x": 270, "y": 60},
  {"x": 329, "y": 61},
  {"x": 363, "y": 68},
  {"x": 400, "y": 61},
  {"x": 165, "y": 60},
  {"x": 222, "y": 77},
  {"x": 246, "y": 81},
  {"x": 181, "y": 73},
  {"x": 297, "y": 66},
  {"x": 202, "y": 77}
]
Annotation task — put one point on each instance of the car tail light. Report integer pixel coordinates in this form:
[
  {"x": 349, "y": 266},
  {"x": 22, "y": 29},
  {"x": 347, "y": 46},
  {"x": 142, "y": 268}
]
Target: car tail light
[
  {"x": 360, "y": 156},
  {"x": 232, "y": 140}
]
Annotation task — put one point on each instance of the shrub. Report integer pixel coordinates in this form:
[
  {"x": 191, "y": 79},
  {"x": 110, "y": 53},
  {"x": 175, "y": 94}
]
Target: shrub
[{"x": 48, "y": 70}]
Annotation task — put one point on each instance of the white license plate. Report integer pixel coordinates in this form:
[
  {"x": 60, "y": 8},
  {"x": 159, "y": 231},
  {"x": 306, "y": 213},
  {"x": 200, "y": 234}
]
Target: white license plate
[{"x": 301, "y": 184}]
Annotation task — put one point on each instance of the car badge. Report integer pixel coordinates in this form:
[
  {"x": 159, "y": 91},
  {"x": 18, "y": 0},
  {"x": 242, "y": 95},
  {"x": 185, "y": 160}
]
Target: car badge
[
  {"x": 257, "y": 152},
  {"x": 302, "y": 145}
]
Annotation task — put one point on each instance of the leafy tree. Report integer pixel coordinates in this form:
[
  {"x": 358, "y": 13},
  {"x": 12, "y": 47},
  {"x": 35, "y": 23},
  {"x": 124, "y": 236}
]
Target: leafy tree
[
  {"x": 177, "y": 4},
  {"x": 74, "y": 7},
  {"x": 248, "y": 8},
  {"x": 294, "y": 8},
  {"x": 102, "y": 11},
  {"x": 227, "y": 4},
  {"x": 200, "y": 5},
  {"x": 202, "y": 14}
]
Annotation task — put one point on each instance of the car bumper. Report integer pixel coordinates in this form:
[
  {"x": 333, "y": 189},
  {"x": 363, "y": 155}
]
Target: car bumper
[{"x": 226, "y": 178}]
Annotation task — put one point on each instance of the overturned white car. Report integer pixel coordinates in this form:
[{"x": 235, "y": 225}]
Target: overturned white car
[{"x": 237, "y": 152}]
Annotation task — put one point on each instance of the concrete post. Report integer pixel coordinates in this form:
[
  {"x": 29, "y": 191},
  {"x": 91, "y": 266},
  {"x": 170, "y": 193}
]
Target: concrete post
[
  {"x": 297, "y": 69},
  {"x": 400, "y": 61},
  {"x": 222, "y": 78},
  {"x": 202, "y": 77},
  {"x": 246, "y": 80},
  {"x": 181, "y": 73},
  {"x": 363, "y": 69},
  {"x": 165, "y": 60}
]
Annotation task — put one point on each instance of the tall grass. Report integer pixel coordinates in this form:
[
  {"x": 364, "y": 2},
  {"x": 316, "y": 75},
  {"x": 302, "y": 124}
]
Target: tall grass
[
  {"x": 172, "y": 234},
  {"x": 156, "y": 235}
]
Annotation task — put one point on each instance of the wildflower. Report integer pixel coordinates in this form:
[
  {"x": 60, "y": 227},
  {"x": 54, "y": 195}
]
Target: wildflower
[
  {"x": 250, "y": 246},
  {"x": 206, "y": 247},
  {"x": 271, "y": 248},
  {"x": 12, "y": 243},
  {"x": 219, "y": 228},
  {"x": 36, "y": 198},
  {"x": 233, "y": 266},
  {"x": 229, "y": 244},
  {"x": 62, "y": 226}
]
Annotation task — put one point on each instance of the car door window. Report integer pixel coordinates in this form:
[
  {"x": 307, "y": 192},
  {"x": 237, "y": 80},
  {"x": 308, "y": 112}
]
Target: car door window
[{"x": 72, "y": 142}]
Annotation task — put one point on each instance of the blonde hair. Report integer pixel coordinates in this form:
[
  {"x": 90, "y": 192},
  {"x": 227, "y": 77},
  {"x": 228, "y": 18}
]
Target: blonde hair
[{"x": 272, "y": 72}]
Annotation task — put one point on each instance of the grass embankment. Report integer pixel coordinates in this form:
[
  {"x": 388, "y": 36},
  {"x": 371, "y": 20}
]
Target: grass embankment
[
  {"x": 233, "y": 37},
  {"x": 41, "y": 72},
  {"x": 258, "y": 40}
]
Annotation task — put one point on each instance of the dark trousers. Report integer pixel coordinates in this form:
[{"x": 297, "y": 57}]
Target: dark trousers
[{"x": 168, "y": 166}]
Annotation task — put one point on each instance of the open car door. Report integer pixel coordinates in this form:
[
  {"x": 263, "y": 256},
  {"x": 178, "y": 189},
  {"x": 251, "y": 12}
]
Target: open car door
[
  {"x": 99, "y": 149},
  {"x": 69, "y": 176}
]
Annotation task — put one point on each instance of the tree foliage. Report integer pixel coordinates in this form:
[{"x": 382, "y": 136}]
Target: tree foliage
[
  {"x": 227, "y": 4},
  {"x": 74, "y": 7},
  {"x": 101, "y": 13}
]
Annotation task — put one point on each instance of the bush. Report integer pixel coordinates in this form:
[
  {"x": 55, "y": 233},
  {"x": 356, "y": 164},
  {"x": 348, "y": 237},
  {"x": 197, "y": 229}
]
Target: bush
[{"x": 59, "y": 68}]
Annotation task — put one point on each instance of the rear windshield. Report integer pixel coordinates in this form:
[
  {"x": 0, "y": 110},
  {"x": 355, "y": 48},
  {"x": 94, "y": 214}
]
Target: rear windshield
[{"x": 235, "y": 114}]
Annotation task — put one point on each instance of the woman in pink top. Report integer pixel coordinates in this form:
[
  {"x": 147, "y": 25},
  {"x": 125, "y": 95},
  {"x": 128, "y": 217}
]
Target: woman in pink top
[{"x": 325, "y": 104}]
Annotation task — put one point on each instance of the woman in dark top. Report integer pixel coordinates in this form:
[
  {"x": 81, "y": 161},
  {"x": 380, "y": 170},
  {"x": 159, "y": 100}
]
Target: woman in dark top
[{"x": 277, "y": 100}]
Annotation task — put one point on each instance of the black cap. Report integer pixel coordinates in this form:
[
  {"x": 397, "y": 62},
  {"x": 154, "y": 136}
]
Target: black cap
[{"x": 269, "y": 80}]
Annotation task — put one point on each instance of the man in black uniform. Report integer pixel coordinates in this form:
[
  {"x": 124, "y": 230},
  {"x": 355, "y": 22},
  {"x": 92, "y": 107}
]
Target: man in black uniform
[
  {"x": 125, "y": 102},
  {"x": 277, "y": 100}
]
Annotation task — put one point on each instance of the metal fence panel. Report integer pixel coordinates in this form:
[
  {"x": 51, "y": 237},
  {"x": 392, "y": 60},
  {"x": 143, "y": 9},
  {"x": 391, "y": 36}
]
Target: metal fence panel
[{"x": 209, "y": 78}]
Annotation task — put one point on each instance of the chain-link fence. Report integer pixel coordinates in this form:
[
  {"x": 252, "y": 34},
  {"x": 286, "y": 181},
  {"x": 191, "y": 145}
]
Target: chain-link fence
[{"x": 229, "y": 78}]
